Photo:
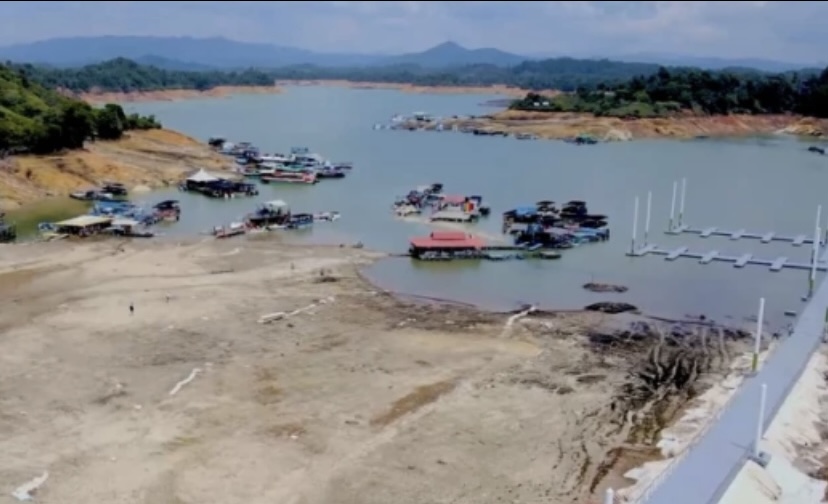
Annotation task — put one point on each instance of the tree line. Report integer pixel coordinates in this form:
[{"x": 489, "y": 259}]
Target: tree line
[
  {"x": 40, "y": 120},
  {"x": 668, "y": 92},
  {"x": 123, "y": 75}
]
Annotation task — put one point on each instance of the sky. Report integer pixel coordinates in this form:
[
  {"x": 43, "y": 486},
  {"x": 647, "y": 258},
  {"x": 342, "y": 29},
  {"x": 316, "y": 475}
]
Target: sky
[{"x": 785, "y": 31}]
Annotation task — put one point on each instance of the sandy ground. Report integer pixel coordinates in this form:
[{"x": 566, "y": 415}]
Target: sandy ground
[
  {"x": 152, "y": 158},
  {"x": 353, "y": 397},
  {"x": 567, "y": 125},
  {"x": 797, "y": 441},
  {"x": 97, "y": 97}
]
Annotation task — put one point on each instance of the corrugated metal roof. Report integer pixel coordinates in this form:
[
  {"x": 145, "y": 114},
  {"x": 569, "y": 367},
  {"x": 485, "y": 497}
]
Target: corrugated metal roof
[
  {"x": 84, "y": 221},
  {"x": 455, "y": 199},
  {"x": 448, "y": 240}
]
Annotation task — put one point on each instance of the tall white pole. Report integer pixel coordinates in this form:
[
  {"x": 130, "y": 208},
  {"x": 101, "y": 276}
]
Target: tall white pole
[
  {"x": 635, "y": 226},
  {"x": 760, "y": 321},
  {"x": 760, "y": 423},
  {"x": 812, "y": 278},
  {"x": 681, "y": 205},
  {"x": 609, "y": 497},
  {"x": 818, "y": 223},
  {"x": 647, "y": 218},
  {"x": 673, "y": 206}
]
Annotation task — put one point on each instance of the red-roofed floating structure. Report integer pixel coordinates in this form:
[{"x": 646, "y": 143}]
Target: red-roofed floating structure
[{"x": 450, "y": 244}]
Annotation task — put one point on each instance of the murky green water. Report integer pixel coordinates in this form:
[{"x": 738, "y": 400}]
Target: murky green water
[{"x": 756, "y": 184}]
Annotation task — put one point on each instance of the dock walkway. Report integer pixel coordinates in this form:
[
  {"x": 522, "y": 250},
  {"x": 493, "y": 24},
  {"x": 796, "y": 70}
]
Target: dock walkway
[
  {"x": 708, "y": 469},
  {"x": 776, "y": 264},
  {"x": 767, "y": 237}
]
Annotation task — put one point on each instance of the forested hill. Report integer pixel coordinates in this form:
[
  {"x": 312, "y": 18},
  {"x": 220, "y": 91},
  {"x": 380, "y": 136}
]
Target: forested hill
[
  {"x": 40, "y": 120},
  {"x": 669, "y": 92},
  {"x": 123, "y": 75}
]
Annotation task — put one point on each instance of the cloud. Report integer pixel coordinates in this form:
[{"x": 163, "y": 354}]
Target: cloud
[{"x": 791, "y": 31}]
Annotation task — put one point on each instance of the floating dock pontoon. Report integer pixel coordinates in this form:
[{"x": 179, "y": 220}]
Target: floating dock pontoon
[
  {"x": 738, "y": 261},
  {"x": 677, "y": 227}
]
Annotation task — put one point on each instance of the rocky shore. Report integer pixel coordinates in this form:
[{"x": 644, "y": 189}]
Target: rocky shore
[
  {"x": 152, "y": 158},
  {"x": 559, "y": 126}
]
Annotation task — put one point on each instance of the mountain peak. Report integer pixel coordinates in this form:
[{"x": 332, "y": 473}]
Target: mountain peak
[{"x": 448, "y": 45}]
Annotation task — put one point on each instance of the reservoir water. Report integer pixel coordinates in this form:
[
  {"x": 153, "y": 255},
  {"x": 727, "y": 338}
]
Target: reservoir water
[{"x": 758, "y": 184}]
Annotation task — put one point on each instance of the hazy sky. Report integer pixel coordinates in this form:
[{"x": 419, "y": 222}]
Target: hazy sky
[{"x": 788, "y": 31}]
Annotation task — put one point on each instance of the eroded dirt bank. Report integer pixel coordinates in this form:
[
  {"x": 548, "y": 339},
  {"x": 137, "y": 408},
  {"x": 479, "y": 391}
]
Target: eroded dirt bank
[
  {"x": 351, "y": 397},
  {"x": 97, "y": 97},
  {"x": 412, "y": 88},
  {"x": 567, "y": 125},
  {"x": 151, "y": 158}
]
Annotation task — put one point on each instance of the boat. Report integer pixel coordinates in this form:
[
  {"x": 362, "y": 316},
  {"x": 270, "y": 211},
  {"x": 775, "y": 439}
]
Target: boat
[
  {"x": 549, "y": 254},
  {"x": 129, "y": 228},
  {"x": 484, "y": 210},
  {"x": 168, "y": 210},
  {"x": 300, "y": 221},
  {"x": 8, "y": 231},
  {"x": 326, "y": 216},
  {"x": 330, "y": 172},
  {"x": 233, "y": 229},
  {"x": 115, "y": 189},
  {"x": 275, "y": 212},
  {"x": 290, "y": 177},
  {"x": 406, "y": 210},
  {"x": 91, "y": 195}
]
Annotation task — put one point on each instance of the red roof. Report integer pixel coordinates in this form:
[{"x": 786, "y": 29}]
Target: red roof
[
  {"x": 453, "y": 199},
  {"x": 448, "y": 240}
]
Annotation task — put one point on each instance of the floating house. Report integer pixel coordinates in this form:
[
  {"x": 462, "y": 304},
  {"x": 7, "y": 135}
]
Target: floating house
[
  {"x": 216, "y": 187},
  {"x": 8, "y": 231},
  {"x": 84, "y": 225},
  {"x": 451, "y": 244}
]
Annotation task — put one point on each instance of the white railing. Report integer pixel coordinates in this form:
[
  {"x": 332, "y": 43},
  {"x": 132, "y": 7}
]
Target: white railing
[{"x": 642, "y": 495}]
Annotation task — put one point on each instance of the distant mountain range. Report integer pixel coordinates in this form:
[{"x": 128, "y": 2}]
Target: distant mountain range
[{"x": 194, "y": 54}]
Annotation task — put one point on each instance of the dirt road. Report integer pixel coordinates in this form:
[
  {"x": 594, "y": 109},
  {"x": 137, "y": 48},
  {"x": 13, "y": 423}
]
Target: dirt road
[{"x": 352, "y": 397}]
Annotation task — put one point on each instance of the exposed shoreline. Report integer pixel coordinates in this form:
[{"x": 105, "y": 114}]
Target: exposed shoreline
[
  {"x": 141, "y": 159},
  {"x": 562, "y": 125},
  {"x": 497, "y": 89},
  {"x": 346, "y": 368},
  {"x": 98, "y": 97}
]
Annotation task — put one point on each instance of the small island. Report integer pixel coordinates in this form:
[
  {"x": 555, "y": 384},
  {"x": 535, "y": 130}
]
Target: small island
[{"x": 679, "y": 103}]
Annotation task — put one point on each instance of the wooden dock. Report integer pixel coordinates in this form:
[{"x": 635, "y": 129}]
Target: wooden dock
[
  {"x": 775, "y": 265},
  {"x": 453, "y": 216},
  {"x": 739, "y": 234}
]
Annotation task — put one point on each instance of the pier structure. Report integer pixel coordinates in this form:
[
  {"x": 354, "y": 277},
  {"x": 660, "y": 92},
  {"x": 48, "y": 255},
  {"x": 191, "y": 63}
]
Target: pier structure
[
  {"x": 707, "y": 257},
  {"x": 678, "y": 226}
]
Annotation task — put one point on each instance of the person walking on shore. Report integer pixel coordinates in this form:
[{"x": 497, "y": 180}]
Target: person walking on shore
[{"x": 131, "y": 309}]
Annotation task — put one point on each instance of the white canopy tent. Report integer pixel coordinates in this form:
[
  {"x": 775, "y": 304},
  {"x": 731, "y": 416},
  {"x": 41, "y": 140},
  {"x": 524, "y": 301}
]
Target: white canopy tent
[{"x": 202, "y": 176}]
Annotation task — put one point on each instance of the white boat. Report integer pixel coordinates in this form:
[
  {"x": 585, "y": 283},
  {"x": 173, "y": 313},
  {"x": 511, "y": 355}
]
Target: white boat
[
  {"x": 406, "y": 210},
  {"x": 233, "y": 229}
]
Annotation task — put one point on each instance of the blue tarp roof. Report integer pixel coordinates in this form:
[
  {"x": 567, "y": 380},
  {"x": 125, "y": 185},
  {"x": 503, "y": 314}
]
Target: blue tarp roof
[{"x": 525, "y": 210}]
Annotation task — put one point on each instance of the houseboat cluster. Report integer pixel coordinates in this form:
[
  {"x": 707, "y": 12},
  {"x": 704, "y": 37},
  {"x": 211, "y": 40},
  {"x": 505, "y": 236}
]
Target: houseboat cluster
[
  {"x": 271, "y": 216},
  {"x": 441, "y": 207},
  {"x": 114, "y": 217},
  {"x": 217, "y": 187},
  {"x": 301, "y": 166},
  {"x": 420, "y": 121},
  {"x": 538, "y": 231}
]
